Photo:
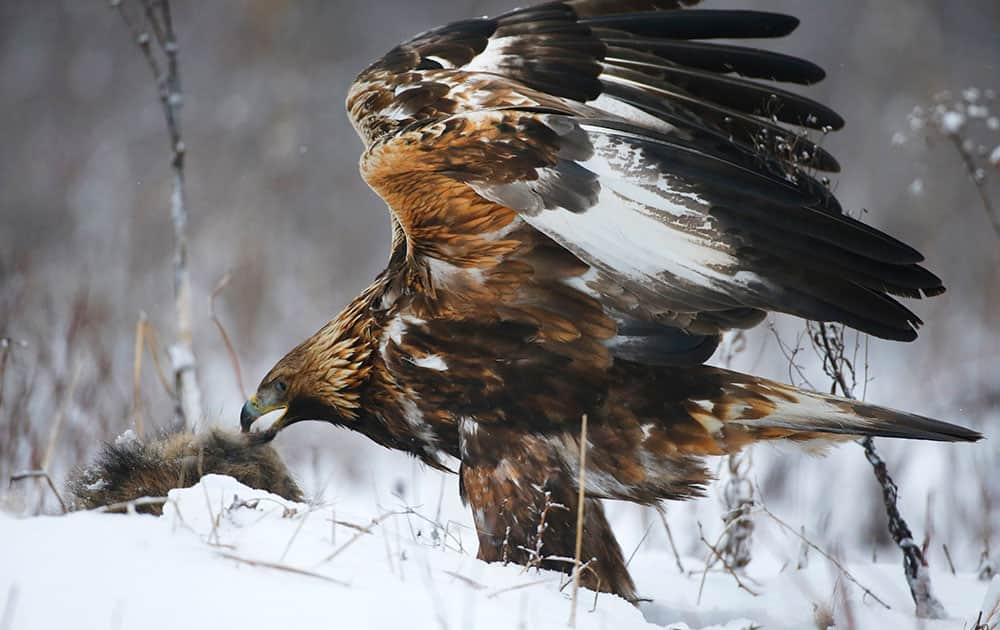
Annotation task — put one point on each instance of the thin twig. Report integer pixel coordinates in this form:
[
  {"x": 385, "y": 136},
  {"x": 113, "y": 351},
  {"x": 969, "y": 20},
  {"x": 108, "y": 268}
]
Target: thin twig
[
  {"x": 153, "y": 21},
  {"x": 978, "y": 182},
  {"x": 7, "y": 618},
  {"x": 518, "y": 587},
  {"x": 790, "y": 354},
  {"x": 35, "y": 474},
  {"x": 828, "y": 355},
  {"x": 283, "y": 567},
  {"x": 535, "y": 554},
  {"x": 295, "y": 535},
  {"x": 141, "y": 38},
  {"x": 645, "y": 534},
  {"x": 477, "y": 586},
  {"x": 361, "y": 532},
  {"x": 215, "y": 518},
  {"x": 725, "y": 564},
  {"x": 670, "y": 537},
  {"x": 140, "y": 337},
  {"x": 444, "y": 530},
  {"x": 823, "y": 553},
  {"x": 586, "y": 566},
  {"x": 226, "y": 340},
  {"x": 5, "y": 344},
  {"x": 129, "y": 506},
  {"x": 947, "y": 556},
  {"x": 582, "y": 482},
  {"x": 710, "y": 559},
  {"x": 67, "y": 398},
  {"x": 153, "y": 344}
]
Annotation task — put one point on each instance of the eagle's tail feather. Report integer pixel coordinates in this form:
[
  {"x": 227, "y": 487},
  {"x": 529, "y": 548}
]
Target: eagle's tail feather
[
  {"x": 776, "y": 411},
  {"x": 709, "y": 411}
]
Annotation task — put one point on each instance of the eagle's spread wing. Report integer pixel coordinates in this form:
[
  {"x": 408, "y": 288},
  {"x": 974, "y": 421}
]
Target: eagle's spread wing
[
  {"x": 582, "y": 201},
  {"x": 620, "y": 139}
]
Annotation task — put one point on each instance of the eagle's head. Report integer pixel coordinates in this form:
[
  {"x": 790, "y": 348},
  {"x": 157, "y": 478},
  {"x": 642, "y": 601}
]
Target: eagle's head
[{"x": 321, "y": 379}]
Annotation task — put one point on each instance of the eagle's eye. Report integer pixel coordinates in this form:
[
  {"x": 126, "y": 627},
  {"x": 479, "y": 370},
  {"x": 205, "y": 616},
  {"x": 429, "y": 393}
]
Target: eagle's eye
[{"x": 280, "y": 387}]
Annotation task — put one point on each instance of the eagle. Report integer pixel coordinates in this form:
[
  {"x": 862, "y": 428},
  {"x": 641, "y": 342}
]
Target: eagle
[{"x": 584, "y": 196}]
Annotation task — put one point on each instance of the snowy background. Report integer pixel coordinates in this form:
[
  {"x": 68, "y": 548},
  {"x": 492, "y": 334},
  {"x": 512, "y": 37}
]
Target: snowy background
[{"x": 275, "y": 198}]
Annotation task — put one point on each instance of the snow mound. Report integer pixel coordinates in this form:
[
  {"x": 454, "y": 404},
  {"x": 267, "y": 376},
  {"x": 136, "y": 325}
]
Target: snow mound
[{"x": 227, "y": 556}]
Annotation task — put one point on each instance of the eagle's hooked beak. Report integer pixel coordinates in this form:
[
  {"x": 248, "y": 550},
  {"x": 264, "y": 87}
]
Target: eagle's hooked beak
[
  {"x": 251, "y": 412},
  {"x": 249, "y": 415}
]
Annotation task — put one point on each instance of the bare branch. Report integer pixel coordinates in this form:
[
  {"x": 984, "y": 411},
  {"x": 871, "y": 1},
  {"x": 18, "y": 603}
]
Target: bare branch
[
  {"x": 828, "y": 340},
  {"x": 158, "y": 18},
  {"x": 738, "y": 496},
  {"x": 914, "y": 562}
]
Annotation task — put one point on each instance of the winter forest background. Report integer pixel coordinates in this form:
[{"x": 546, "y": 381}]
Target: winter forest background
[{"x": 275, "y": 200}]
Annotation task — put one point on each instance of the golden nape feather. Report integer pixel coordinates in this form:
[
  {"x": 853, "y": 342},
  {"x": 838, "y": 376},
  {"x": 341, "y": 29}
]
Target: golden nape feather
[{"x": 584, "y": 196}]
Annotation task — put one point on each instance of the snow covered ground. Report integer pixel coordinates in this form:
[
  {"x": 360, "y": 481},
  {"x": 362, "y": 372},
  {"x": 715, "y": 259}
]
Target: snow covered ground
[{"x": 227, "y": 556}]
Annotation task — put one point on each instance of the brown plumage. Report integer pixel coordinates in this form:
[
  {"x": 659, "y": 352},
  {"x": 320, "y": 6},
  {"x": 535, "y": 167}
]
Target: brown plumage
[
  {"x": 582, "y": 199},
  {"x": 126, "y": 470}
]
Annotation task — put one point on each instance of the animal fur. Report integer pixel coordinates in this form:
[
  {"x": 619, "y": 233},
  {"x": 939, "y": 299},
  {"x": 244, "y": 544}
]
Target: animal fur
[{"x": 131, "y": 469}]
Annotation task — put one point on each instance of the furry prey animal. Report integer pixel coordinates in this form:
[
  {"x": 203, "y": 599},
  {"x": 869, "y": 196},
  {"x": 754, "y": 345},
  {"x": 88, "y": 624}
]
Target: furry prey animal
[
  {"x": 584, "y": 195},
  {"x": 130, "y": 469}
]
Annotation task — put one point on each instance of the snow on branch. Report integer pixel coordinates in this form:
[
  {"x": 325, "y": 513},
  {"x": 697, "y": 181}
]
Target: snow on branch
[{"x": 967, "y": 120}]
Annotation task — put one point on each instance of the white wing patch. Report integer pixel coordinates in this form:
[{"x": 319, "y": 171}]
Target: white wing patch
[
  {"x": 493, "y": 56},
  {"x": 431, "y": 362},
  {"x": 395, "y": 330},
  {"x": 624, "y": 111},
  {"x": 641, "y": 224}
]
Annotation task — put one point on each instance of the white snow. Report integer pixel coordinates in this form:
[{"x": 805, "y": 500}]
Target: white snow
[
  {"x": 205, "y": 564},
  {"x": 995, "y": 156},
  {"x": 126, "y": 437},
  {"x": 952, "y": 122}
]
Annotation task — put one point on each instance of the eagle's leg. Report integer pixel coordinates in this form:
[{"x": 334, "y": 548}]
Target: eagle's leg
[{"x": 524, "y": 503}]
